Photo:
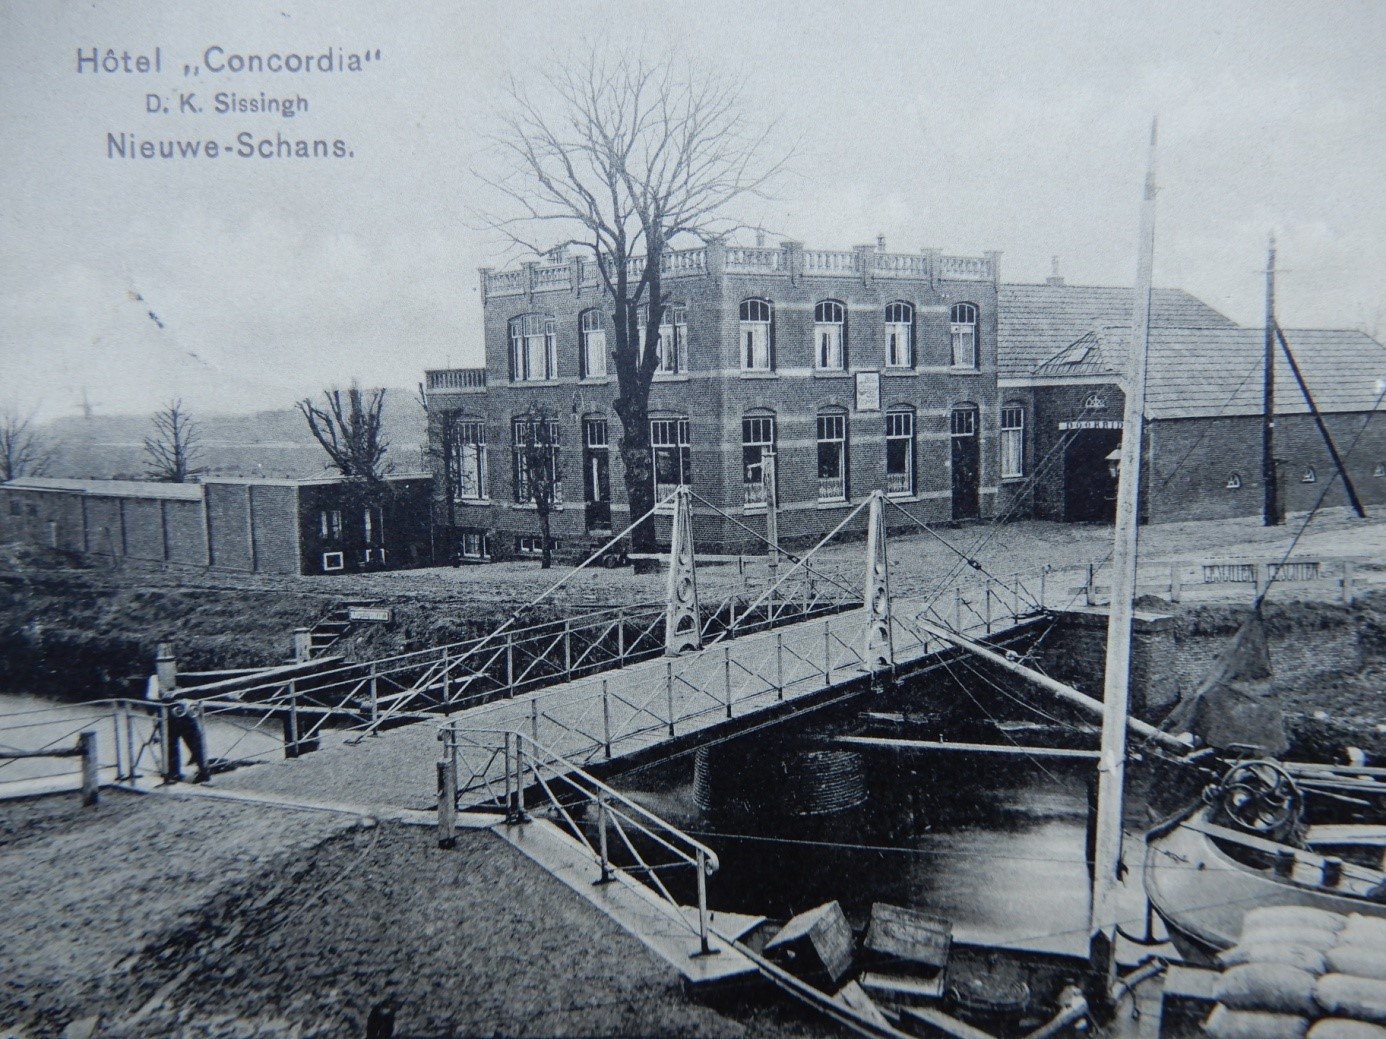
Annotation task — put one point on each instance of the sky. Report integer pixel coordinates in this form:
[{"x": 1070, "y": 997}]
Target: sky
[{"x": 242, "y": 283}]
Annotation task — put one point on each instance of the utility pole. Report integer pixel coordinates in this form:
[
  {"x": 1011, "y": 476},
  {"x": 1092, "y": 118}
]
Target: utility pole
[{"x": 1270, "y": 514}]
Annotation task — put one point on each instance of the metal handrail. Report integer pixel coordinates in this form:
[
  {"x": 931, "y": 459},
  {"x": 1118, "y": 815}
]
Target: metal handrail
[{"x": 548, "y": 771}]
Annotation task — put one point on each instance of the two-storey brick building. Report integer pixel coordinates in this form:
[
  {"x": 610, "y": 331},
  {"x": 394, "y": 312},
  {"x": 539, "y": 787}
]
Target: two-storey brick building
[{"x": 860, "y": 369}]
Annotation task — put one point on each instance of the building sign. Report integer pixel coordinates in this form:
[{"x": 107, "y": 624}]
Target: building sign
[
  {"x": 868, "y": 391},
  {"x": 376, "y": 614},
  {"x": 1092, "y": 423}
]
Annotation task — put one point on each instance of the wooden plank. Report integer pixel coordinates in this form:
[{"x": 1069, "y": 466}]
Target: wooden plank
[
  {"x": 899, "y": 986},
  {"x": 974, "y": 748},
  {"x": 944, "y": 1023}
]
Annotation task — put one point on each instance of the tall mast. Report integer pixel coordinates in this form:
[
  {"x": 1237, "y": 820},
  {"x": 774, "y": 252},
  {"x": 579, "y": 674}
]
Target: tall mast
[
  {"x": 1270, "y": 513},
  {"x": 1111, "y": 769}
]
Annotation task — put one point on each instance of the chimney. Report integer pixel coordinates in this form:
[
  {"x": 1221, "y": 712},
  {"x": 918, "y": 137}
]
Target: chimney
[
  {"x": 1055, "y": 279},
  {"x": 880, "y": 243}
]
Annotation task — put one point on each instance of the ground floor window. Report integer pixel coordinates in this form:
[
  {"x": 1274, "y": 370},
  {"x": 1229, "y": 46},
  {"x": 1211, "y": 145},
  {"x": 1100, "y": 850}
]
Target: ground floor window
[
  {"x": 533, "y": 545},
  {"x": 537, "y": 463},
  {"x": 467, "y": 461},
  {"x": 673, "y": 464},
  {"x": 832, "y": 457},
  {"x": 474, "y": 544},
  {"x": 757, "y": 438},
  {"x": 899, "y": 452},
  {"x": 1012, "y": 441}
]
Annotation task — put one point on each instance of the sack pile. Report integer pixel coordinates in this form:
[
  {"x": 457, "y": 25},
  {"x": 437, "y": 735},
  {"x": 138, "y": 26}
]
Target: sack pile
[{"x": 1302, "y": 973}]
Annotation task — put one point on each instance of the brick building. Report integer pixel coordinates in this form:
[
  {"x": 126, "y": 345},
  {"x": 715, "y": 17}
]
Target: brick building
[
  {"x": 860, "y": 369},
  {"x": 1062, "y": 349},
  {"x": 262, "y": 526}
]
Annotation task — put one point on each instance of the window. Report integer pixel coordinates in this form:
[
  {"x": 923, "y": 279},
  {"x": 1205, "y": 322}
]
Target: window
[
  {"x": 673, "y": 340},
  {"x": 330, "y": 524},
  {"x": 829, "y": 340},
  {"x": 1095, "y": 402},
  {"x": 475, "y": 545},
  {"x": 533, "y": 348},
  {"x": 900, "y": 451},
  {"x": 757, "y": 437},
  {"x": 1012, "y": 441},
  {"x": 1234, "y": 482},
  {"x": 537, "y": 467},
  {"x": 592, "y": 326},
  {"x": 1310, "y": 476},
  {"x": 672, "y": 459},
  {"x": 596, "y": 473},
  {"x": 899, "y": 333},
  {"x": 963, "y": 326},
  {"x": 467, "y": 461},
  {"x": 832, "y": 457},
  {"x": 372, "y": 525},
  {"x": 755, "y": 335},
  {"x": 1380, "y": 470},
  {"x": 333, "y": 561},
  {"x": 533, "y": 545}
]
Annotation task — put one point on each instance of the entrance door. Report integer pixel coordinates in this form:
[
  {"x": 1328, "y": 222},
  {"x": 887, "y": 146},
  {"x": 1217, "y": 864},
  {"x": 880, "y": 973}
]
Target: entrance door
[
  {"x": 1089, "y": 487},
  {"x": 967, "y": 464},
  {"x": 596, "y": 474}
]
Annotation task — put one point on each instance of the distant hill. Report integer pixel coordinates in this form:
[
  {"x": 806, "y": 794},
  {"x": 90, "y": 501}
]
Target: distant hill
[{"x": 264, "y": 443}]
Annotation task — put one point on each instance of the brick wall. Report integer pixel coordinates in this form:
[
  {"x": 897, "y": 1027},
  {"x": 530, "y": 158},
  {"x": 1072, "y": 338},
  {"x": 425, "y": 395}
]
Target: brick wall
[
  {"x": 228, "y": 521},
  {"x": 187, "y": 535},
  {"x": 274, "y": 511}
]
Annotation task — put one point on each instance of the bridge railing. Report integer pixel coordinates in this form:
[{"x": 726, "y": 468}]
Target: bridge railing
[{"x": 616, "y": 832}]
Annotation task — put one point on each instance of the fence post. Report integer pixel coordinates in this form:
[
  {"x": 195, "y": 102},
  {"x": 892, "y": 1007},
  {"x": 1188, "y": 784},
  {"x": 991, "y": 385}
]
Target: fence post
[
  {"x": 827, "y": 652},
  {"x": 621, "y": 638},
  {"x": 534, "y": 718},
  {"x": 116, "y": 710},
  {"x": 704, "y": 947},
  {"x": 1176, "y": 582},
  {"x": 447, "y": 681},
  {"x": 779, "y": 663},
  {"x": 1091, "y": 589},
  {"x": 91, "y": 776},
  {"x": 1259, "y": 572},
  {"x": 568, "y": 650},
  {"x": 375, "y": 697},
  {"x": 726, "y": 677},
  {"x": 166, "y": 671},
  {"x": 303, "y": 644},
  {"x": 606, "y": 720},
  {"x": 509, "y": 787},
  {"x": 520, "y": 816},
  {"x": 606, "y": 877},
  {"x": 669, "y": 691},
  {"x": 1044, "y": 573},
  {"x": 987, "y": 595},
  {"x": 957, "y": 608},
  {"x": 130, "y": 743},
  {"x": 447, "y": 803},
  {"x": 1348, "y": 592},
  {"x": 291, "y": 728},
  {"x": 509, "y": 664}
]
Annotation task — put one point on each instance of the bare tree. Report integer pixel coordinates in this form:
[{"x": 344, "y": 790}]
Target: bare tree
[
  {"x": 24, "y": 451},
  {"x": 174, "y": 448},
  {"x": 348, "y": 429},
  {"x": 623, "y": 156},
  {"x": 539, "y": 470}
]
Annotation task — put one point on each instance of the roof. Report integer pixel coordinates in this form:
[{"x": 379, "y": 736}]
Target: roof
[
  {"x": 1206, "y": 372},
  {"x": 1035, "y": 322},
  {"x": 307, "y": 481},
  {"x": 113, "y": 488}
]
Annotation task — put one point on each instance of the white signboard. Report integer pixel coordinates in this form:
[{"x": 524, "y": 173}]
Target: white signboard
[{"x": 868, "y": 391}]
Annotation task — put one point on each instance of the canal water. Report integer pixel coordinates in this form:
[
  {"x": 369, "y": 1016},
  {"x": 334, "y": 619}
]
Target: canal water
[
  {"x": 29, "y": 722},
  {"x": 995, "y": 845}
]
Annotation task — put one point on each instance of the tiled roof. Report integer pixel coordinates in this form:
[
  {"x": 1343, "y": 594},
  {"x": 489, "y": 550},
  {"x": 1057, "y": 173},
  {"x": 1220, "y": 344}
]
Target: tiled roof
[
  {"x": 1203, "y": 372},
  {"x": 1035, "y": 322}
]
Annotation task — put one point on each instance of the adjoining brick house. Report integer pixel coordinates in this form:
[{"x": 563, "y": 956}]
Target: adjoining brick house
[
  {"x": 312, "y": 526},
  {"x": 860, "y": 369},
  {"x": 1063, "y": 350}
]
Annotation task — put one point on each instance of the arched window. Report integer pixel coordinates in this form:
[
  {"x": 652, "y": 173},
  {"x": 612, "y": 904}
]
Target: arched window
[
  {"x": 1012, "y": 441},
  {"x": 1234, "y": 482},
  {"x": 673, "y": 340},
  {"x": 756, "y": 317},
  {"x": 963, "y": 326},
  {"x": 757, "y": 438},
  {"x": 832, "y": 455},
  {"x": 592, "y": 325},
  {"x": 829, "y": 336},
  {"x": 899, "y": 459},
  {"x": 899, "y": 335},
  {"x": 1095, "y": 402},
  {"x": 533, "y": 348}
]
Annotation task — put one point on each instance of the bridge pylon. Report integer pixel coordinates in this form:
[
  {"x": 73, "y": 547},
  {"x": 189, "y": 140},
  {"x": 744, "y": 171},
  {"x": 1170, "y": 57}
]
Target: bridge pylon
[
  {"x": 879, "y": 649},
  {"x": 683, "y": 624}
]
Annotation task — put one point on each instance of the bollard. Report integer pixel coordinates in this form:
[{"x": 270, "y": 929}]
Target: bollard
[
  {"x": 91, "y": 777},
  {"x": 1348, "y": 594},
  {"x": 669, "y": 691},
  {"x": 1176, "y": 585},
  {"x": 606, "y": 877},
  {"x": 303, "y": 645},
  {"x": 1332, "y": 870},
  {"x": 606, "y": 720},
  {"x": 447, "y": 804},
  {"x": 779, "y": 664},
  {"x": 726, "y": 677},
  {"x": 1091, "y": 589}
]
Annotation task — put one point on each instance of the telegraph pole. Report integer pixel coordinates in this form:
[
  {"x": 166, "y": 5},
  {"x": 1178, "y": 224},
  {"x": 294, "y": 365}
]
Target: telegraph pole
[{"x": 1270, "y": 515}]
